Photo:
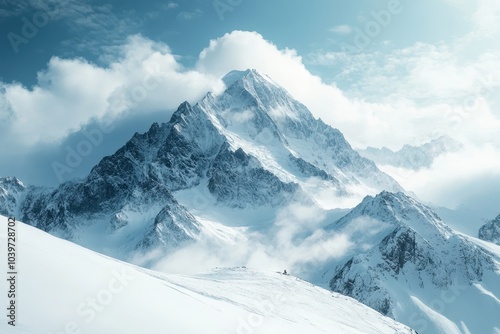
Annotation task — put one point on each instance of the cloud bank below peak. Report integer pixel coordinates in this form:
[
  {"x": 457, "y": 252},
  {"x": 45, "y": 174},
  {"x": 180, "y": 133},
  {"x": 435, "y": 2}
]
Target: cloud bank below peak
[{"x": 144, "y": 81}]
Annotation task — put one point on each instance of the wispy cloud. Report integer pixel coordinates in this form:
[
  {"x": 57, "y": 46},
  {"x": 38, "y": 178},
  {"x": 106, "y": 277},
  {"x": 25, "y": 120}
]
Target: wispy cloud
[
  {"x": 161, "y": 9},
  {"x": 343, "y": 29},
  {"x": 468, "y": 178},
  {"x": 171, "y": 5},
  {"x": 190, "y": 15},
  {"x": 423, "y": 72},
  {"x": 9, "y": 8},
  {"x": 457, "y": 72},
  {"x": 141, "y": 78},
  {"x": 484, "y": 14},
  {"x": 276, "y": 247},
  {"x": 98, "y": 26},
  {"x": 420, "y": 72},
  {"x": 92, "y": 25}
]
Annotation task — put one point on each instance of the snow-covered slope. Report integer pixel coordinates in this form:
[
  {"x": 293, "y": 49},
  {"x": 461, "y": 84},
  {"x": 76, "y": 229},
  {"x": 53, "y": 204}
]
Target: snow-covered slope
[
  {"x": 406, "y": 263},
  {"x": 115, "y": 213},
  {"x": 412, "y": 157},
  {"x": 64, "y": 288},
  {"x": 491, "y": 231}
]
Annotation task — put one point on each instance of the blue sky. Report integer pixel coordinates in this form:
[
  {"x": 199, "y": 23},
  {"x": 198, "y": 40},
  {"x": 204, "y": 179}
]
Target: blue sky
[
  {"x": 77, "y": 28},
  {"x": 385, "y": 72}
]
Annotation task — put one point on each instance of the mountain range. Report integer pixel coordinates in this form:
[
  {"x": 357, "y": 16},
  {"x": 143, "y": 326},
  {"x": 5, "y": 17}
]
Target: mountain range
[
  {"x": 253, "y": 146},
  {"x": 252, "y": 168},
  {"x": 413, "y": 157}
]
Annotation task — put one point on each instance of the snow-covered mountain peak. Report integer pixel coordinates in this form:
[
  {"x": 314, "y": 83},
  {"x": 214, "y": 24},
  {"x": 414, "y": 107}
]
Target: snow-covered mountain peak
[
  {"x": 233, "y": 76},
  {"x": 11, "y": 192},
  {"x": 230, "y": 165},
  {"x": 259, "y": 92},
  {"x": 184, "y": 111},
  {"x": 251, "y": 146},
  {"x": 258, "y": 115},
  {"x": 404, "y": 255},
  {"x": 249, "y": 76},
  {"x": 491, "y": 231},
  {"x": 398, "y": 210},
  {"x": 11, "y": 182}
]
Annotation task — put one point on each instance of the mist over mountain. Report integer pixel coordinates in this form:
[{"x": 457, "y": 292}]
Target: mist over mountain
[
  {"x": 223, "y": 300},
  {"x": 252, "y": 146},
  {"x": 412, "y": 157},
  {"x": 249, "y": 177}
]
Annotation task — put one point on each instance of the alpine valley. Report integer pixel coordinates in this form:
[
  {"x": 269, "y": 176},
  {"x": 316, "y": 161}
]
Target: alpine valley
[{"x": 249, "y": 177}]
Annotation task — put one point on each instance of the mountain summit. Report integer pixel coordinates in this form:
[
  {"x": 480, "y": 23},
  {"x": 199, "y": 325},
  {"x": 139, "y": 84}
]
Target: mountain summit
[
  {"x": 259, "y": 116},
  {"x": 252, "y": 146}
]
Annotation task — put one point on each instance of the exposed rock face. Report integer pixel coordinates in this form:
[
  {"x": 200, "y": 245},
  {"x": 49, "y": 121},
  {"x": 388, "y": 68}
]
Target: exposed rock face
[
  {"x": 238, "y": 180},
  {"x": 491, "y": 231},
  {"x": 252, "y": 146},
  {"x": 11, "y": 195},
  {"x": 407, "y": 247}
]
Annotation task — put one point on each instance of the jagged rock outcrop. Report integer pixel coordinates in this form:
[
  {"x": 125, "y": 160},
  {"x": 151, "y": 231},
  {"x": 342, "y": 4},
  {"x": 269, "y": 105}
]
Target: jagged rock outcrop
[{"x": 491, "y": 231}]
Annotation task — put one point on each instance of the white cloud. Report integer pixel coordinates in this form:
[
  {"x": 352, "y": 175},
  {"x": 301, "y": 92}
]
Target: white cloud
[
  {"x": 343, "y": 29},
  {"x": 467, "y": 177},
  {"x": 241, "y": 50},
  {"x": 391, "y": 121},
  {"x": 171, "y": 5},
  {"x": 70, "y": 92},
  {"x": 425, "y": 73},
  {"x": 145, "y": 76},
  {"x": 276, "y": 247},
  {"x": 484, "y": 14},
  {"x": 190, "y": 15},
  {"x": 431, "y": 91}
]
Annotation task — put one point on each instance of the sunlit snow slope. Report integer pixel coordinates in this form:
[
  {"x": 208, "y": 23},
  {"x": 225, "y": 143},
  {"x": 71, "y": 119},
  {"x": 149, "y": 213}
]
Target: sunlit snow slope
[{"x": 64, "y": 288}]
